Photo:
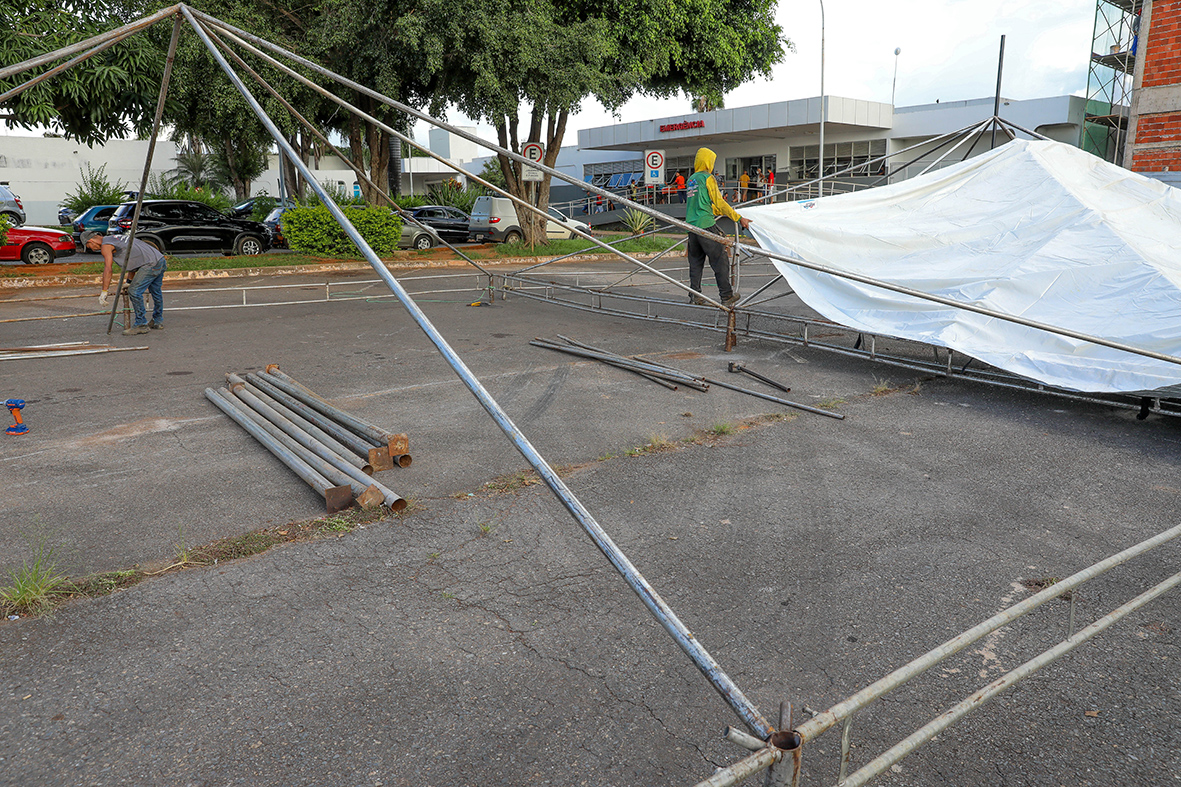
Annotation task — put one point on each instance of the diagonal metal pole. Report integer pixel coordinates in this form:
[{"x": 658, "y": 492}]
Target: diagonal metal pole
[
  {"x": 143, "y": 183},
  {"x": 229, "y": 32},
  {"x": 648, "y": 595},
  {"x": 81, "y": 46},
  {"x": 104, "y": 46}
]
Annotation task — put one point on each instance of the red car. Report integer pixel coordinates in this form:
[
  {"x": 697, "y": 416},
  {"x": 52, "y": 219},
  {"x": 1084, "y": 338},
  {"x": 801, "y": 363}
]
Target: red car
[{"x": 36, "y": 245}]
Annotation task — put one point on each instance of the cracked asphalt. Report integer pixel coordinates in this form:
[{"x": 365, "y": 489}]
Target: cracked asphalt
[{"x": 482, "y": 639}]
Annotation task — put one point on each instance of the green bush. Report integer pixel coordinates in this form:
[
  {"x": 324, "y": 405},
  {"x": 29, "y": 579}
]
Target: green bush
[
  {"x": 263, "y": 205},
  {"x": 313, "y": 230},
  {"x": 337, "y": 193},
  {"x": 3, "y": 232},
  {"x": 95, "y": 189},
  {"x": 450, "y": 193},
  {"x": 409, "y": 201}
]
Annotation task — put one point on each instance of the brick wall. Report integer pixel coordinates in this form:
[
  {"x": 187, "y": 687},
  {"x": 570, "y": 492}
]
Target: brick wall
[
  {"x": 1162, "y": 56},
  {"x": 1156, "y": 144}
]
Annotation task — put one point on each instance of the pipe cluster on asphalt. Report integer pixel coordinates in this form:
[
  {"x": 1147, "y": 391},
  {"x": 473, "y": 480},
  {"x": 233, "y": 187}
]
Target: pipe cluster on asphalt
[{"x": 332, "y": 450}]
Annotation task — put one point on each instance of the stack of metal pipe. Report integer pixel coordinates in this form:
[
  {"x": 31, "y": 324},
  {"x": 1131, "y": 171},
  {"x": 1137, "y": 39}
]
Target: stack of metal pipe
[{"x": 333, "y": 451}]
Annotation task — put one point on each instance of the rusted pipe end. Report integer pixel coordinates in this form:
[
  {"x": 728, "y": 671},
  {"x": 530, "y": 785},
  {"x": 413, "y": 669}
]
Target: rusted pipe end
[
  {"x": 235, "y": 382},
  {"x": 398, "y": 505},
  {"x": 788, "y": 740},
  {"x": 403, "y": 460},
  {"x": 271, "y": 368},
  {"x": 367, "y": 469}
]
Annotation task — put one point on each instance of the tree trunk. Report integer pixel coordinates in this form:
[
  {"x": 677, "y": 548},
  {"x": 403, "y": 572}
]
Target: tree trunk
[{"x": 548, "y": 129}]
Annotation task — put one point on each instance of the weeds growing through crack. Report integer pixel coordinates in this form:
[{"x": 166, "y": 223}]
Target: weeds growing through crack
[
  {"x": 486, "y": 528},
  {"x": 721, "y": 428},
  {"x": 37, "y": 584},
  {"x": 512, "y": 482},
  {"x": 831, "y": 403}
]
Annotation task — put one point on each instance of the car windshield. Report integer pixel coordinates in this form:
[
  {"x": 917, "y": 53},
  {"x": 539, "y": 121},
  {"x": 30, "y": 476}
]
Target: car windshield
[
  {"x": 243, "y": 205},
  {"x": 275, "y": 214}
]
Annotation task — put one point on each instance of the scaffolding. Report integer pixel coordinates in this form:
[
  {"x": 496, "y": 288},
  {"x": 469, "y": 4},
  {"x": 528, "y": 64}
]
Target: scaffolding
[{"x": 1109, "y": 78}]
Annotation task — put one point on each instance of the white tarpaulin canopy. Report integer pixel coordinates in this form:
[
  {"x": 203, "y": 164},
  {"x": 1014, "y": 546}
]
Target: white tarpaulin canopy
[{"x": 1039, "y": 230}]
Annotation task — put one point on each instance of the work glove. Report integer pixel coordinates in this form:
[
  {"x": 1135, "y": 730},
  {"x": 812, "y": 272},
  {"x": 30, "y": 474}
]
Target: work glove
[{"x": 103, "y": 298}]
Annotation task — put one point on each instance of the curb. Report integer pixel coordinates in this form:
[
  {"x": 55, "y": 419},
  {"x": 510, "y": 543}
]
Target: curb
[{"x": 95, "y": 280}]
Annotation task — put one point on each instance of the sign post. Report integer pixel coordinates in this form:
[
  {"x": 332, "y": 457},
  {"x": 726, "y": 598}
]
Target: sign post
[
  {"x": 653, "y": 167},
  {"x": 534, "y": 152}
]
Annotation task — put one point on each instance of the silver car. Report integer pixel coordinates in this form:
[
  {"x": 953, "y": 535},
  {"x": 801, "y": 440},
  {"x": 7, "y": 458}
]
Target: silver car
[
  {"x": 416, "y": 237},
  {"x": 11, "y": 209}
]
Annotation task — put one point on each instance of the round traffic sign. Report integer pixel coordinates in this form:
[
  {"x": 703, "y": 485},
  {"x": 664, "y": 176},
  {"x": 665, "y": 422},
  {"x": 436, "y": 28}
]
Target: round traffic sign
[
  {"x": 533, "y": 151},
  {"x": 655, "y": 159}
]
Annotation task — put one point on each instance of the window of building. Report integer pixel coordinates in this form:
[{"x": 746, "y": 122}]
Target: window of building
[{"x": 839, "y": 156}]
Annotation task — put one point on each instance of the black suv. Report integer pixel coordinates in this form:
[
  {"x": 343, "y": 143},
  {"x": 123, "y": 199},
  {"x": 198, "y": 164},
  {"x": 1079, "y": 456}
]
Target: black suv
[
  {"x": 450, "y": 223},
  {"x": 178, "y": 225}
]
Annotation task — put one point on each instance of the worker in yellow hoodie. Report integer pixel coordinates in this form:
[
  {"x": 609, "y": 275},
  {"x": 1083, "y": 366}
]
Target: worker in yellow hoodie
[{"x": 704, "y": 204}]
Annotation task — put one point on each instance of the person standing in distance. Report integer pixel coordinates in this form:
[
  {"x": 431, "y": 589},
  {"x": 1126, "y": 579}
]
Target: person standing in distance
[
  {"x": 145, "y": 265},
  {"x": 705, "y": 204}
]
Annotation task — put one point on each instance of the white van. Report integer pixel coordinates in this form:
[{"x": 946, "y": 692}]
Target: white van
[{"x": 495, "y": 219}]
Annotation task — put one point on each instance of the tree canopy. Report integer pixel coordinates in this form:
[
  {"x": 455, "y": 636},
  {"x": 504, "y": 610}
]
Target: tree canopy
[
  {"x": 522, "y": 65},
  {"x": 113, "y": 94}
]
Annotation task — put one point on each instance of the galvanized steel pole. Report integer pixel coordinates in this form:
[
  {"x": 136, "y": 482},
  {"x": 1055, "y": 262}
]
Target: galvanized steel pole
[
  {"x": 823, "y": 721},
  {"x": 336, "y": 498},
  {"x": 659, "y": 608},
  {"x": 916, "y": 739}
]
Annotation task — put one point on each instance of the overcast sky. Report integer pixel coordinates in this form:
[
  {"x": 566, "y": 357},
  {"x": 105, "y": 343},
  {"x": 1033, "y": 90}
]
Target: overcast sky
[{"x": 949, "y": 52}]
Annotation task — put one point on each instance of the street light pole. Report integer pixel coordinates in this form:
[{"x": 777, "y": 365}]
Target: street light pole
[
  {"x": 894, "y": 87},
  {"x": 822, "y": 112}
]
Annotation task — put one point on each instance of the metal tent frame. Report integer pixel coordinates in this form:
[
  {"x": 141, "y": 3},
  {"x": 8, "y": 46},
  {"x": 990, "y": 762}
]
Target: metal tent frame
[{"x": 771, "y": 743}]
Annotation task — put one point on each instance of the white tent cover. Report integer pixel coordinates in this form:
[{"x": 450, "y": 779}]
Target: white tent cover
[{"x": 1036, "y": 229}]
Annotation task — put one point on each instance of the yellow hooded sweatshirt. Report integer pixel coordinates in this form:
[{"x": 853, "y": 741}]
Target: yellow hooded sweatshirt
[{"x": 703, "y": 200}]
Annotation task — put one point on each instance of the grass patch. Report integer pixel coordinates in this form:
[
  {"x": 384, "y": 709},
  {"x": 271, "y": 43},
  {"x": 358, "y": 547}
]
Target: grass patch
[
  {"x": 721, "y": 428},
  {"x": 105, "y": 583},
  {"x": 831, "y": 403},
  {"x": 512, "y": 482},
  {"x": 36, "y": 586},
  {"x": 559, "y": 247},
  {"x": 1038, "y": 584},
  {"x": 660, "y": 442},
  {"x": 882, "y": 387},
  {"x": 220, "y": 263}
]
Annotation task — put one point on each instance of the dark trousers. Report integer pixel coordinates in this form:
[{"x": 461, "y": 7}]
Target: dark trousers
[{"x": 699, "y": 249}]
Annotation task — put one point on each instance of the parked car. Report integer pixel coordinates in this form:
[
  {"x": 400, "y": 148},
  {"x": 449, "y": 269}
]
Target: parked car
[
  {"x": 450, "y": 223},
  {"x": 415, "y": 237},
  {"x": 36, "y": 245},
  {"x": 179, "y": 225},
  {"x": 65, "y": 216},
  {"x": 95, "y": 218},
  {"x": 11, "y": 209},
  {"x": 274, "y": 223},
  {"x": 495, "y": 218}
]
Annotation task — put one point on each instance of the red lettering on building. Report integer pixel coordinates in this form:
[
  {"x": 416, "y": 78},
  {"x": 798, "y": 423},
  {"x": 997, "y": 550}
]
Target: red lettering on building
[{"x": 684, "y": 125}]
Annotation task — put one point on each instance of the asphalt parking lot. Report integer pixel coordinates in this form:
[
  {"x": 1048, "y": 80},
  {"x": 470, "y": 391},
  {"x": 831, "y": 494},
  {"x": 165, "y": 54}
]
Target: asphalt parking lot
[{"x": 481, "y": 639}]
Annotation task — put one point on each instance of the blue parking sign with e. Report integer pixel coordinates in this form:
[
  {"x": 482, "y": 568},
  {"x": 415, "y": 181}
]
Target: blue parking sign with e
[{"x": 356, "y": 189}]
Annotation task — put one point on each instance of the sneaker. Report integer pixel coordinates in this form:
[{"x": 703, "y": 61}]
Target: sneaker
[
  {"x": 155, "y": 326},
  {"x": 135, "y": 330},
  {"x": 734, "y": 298}
]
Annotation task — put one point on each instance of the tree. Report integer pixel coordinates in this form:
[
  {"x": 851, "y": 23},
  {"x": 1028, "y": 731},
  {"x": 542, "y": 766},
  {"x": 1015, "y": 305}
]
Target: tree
[
  {"x": 112, "y": 94},
  {"x": 525, "y": 65}
]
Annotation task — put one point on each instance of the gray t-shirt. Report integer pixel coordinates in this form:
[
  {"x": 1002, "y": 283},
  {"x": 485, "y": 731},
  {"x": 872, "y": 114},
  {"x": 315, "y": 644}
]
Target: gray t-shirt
[{"x": 142, "y": 253}]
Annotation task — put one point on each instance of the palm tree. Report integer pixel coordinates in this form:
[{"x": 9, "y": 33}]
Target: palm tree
[{"x": 196, "y": 169}]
